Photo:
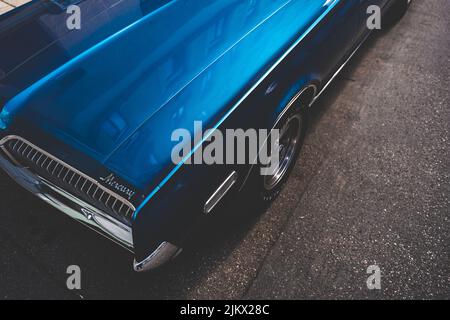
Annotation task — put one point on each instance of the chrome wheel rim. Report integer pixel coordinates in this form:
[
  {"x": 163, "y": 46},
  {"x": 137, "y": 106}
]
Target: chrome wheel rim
[{"x": 290, "y": 134}]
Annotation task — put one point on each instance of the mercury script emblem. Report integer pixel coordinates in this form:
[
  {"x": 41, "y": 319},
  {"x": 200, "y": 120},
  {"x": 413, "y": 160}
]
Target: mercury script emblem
[{"x": 111, "y": 181}]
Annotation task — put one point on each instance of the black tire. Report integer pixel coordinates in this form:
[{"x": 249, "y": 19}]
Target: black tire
[
  {"x": 294, "y": 124},
  {"x": 396, "y": 12}
]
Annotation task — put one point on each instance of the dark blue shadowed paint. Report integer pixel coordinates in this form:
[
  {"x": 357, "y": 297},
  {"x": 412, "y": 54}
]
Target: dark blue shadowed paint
[
  {"x": 108, "y": 97},
  {"x": 109, "y": 101}
]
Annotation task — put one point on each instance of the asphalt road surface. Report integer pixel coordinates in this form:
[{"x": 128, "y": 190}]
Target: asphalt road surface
[{"x": 371, "y": 187}]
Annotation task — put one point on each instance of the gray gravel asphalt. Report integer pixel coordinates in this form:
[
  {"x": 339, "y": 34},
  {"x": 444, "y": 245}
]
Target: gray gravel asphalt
[{"x": 372, "y": 186}]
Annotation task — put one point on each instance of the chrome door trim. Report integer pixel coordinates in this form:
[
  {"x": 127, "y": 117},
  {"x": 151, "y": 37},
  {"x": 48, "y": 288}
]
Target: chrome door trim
[{"x": 220, "y": 193}]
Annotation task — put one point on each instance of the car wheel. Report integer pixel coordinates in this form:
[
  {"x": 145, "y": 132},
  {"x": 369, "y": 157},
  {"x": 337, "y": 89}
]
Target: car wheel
[
  {"x": 397, "y": 11},
  {"x": 292, "y": 129},
  {"x": 402, "y": 6}
]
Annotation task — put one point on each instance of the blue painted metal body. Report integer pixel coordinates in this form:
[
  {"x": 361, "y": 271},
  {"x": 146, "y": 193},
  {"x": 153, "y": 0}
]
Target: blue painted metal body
[{"x": 108, "y": 97}]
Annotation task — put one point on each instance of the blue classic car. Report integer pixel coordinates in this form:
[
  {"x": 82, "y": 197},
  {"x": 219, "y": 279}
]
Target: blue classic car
[{"x": 88, "y": 114}]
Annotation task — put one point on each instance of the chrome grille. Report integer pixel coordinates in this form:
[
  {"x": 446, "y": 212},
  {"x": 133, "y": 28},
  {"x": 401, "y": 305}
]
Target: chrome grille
[{"x": 24, "y": 153}]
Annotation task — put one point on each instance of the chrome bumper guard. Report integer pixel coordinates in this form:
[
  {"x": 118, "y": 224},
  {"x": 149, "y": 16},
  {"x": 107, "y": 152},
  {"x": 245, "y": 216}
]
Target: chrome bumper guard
[{"x": 165, "y": 252}]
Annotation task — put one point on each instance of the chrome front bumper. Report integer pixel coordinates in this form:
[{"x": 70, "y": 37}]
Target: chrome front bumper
[
  {"x": 70, "y": 205},
  {"x": 86, "y": 214}
]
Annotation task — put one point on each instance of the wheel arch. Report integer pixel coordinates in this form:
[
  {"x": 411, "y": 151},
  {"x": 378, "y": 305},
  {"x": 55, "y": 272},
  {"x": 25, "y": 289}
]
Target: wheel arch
[{"x": 301, "y": 98}]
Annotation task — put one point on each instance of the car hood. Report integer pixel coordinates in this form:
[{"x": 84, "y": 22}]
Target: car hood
[{"x": 120, "y": 100}]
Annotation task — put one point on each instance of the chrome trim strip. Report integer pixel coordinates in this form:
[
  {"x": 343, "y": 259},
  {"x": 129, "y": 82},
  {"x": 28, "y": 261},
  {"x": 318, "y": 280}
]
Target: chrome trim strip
[
  {"x": 70, "y": 171},
  {"x": 218, "y": 195},
  {"x": 164, "y": 253}
]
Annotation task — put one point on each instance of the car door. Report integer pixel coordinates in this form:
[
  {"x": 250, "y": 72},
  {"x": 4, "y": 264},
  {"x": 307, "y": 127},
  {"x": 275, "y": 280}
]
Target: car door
[
  {"x": 336, "y": 38},
  {"x": 350, "y": 25}
]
